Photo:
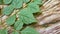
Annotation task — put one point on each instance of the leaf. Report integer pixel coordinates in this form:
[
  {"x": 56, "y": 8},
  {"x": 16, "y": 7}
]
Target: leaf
[
  {"x": 15, "y": 32},
  {"x": 38, "y": 2},
  {"x": 18, "y": 25},
  {"x": 17, "y": 3},
  {"x": 7, "y": 1},
  {"x": 25, "y": 1},
  {"x": 29, "y": 30},
  {"x": 26, "y": 17},
  {"x": 3, "y": 31},
  {"x": 33, "y": 8},
  {"x": 11, "y": 20},
  {"x": 7, "y": 10}
]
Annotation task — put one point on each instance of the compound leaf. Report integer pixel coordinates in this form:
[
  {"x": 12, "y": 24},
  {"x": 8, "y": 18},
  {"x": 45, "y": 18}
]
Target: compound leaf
[{"x": 25, "y": 15}]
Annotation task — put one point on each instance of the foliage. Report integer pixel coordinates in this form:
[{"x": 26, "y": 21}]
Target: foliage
[{"x": 25, "y": 8}]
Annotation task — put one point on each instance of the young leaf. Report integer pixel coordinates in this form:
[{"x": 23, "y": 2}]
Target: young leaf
[
  {"x": 3, "y": 31},
  {"x": 26, "y": 17},
  {"x": 29, "y": 30},
  {"x": 7, "y": 10},
  {"x": 17, "y": 3},
  {"x": 7, "y": 1},
  {"x": 15, "y": 32},
  {"x": 33, "y": 8},
  {"x": 11, "y": 20},
  {"x": 18, "y": 25}
]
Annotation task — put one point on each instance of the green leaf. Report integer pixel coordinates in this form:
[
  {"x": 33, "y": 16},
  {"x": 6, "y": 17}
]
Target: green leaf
[
  {"x": 17, "y": 3},
  {"x": 1, "y": 2},
  {"x": 26, "y": 17},
  {"x": 18, "y": 25},
  {"x": 38, "y": 2},
  {"x": 7, "y": 1},
  {"x": 25, "y": 1},
  {"x": 3, "y": 31},
  {"x": 15, "y": 32},
  {"x": 29, "y": 30},
  {"x": 7, "y": 10},
  {"x": 33, "y": 8},
  {"x": 11, "y": 20}
]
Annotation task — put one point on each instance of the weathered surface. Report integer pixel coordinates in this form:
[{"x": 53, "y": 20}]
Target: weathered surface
[{"x": 50, "y": 13}]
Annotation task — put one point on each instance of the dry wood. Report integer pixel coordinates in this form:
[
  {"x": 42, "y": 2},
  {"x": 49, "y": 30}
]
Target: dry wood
[{"x": 50, "y": 13}]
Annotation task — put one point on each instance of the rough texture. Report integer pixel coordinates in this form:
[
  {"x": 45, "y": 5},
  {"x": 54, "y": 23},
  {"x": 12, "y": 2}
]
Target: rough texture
[{"x": 50, "y": 17}]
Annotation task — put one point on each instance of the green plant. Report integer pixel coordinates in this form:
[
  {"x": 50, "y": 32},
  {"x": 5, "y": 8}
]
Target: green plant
[{"x": 24, "y": 15}]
